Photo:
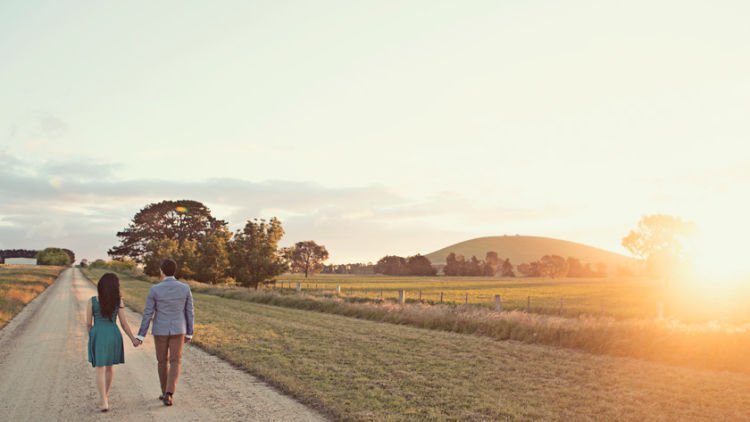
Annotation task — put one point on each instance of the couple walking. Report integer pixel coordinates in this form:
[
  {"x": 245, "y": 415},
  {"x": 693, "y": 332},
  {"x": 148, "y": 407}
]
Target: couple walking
[{"x": 169, "y": 304}]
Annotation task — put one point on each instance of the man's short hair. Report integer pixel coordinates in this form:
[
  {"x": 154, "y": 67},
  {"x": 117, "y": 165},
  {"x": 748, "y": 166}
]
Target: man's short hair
[{"x": 168, "y": 267}]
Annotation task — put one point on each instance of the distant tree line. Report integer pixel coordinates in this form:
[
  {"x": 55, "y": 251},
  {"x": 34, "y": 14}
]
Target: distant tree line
[
  {"x": 555, "y": 266},
  {"x": 457, "y": 265},
  {"x": 47, "y": 256},
  {"x": 17, "y": 253},
  {"x": 207, "y": 251},
  {"x": 416, "y": 265},
  {"x": 356, "y": 268}
]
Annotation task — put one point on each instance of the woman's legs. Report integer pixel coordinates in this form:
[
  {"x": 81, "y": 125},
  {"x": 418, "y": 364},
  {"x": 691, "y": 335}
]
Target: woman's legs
[
  {"x": 101, "y": 385},
  {"x": 108, "y": 376}
]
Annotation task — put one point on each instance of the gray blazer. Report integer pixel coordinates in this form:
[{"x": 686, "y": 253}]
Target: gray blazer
[{"x": 170, "y": 303}]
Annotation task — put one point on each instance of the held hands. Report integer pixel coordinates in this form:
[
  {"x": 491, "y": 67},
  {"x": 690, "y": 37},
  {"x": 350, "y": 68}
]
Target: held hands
[
  {"x": 188, "y": 340},
  {"x": 136, "y": 342}
]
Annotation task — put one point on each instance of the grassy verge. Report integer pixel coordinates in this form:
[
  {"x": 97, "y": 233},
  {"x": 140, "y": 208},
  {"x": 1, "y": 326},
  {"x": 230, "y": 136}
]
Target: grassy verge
[
  {"x": 364, "y": 370},
  {"x": 697, "y": 345},
  {"x": 20, "y": 284}
]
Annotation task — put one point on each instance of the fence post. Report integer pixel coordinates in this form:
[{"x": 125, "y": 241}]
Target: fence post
[
  {"x": 441, "y": 297},
  {"x": 528, "y": 304},
  {"x": 401, "y": 296},
  {"x": 299, "y": 286},
  {"x": 466, "y": 300},
  {"x": 338, "y": 290},
  {"x": 381, "y": 294},
  {"x": 498, "y": 304}
]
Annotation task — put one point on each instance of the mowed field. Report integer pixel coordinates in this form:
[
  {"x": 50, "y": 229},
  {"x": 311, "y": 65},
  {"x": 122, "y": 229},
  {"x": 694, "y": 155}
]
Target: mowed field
[
  {"x": 363, "y": 370},
  {"x": 20, "y": 284},
  {"x": 621, "y": 298}
]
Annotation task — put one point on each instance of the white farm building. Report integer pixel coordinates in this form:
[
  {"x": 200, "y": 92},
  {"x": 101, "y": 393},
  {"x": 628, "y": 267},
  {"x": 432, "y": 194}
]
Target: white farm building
[{"x": 20, "y": 261}]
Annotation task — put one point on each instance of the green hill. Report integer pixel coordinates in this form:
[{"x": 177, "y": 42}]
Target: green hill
[{"x": 521, "y": 249}]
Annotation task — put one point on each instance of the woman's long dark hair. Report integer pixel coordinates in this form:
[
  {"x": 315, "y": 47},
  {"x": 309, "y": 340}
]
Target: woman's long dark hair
[{"x": 108, "y": 288}]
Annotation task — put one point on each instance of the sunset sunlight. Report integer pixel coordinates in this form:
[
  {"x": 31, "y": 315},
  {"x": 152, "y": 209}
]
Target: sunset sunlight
[{"x": 340, "y": 210}]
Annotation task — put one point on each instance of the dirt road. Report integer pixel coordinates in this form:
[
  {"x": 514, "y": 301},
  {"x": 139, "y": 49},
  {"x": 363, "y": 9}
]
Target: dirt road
[{"x": 44, "y": 373}]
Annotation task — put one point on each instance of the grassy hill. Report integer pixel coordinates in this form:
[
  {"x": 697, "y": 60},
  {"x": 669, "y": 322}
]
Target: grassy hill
[{"x": 522, "y": 249}]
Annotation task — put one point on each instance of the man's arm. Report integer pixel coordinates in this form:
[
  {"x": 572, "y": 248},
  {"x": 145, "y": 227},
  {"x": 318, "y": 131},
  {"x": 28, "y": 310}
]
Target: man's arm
[
  {"x": 189, "y": 315},
  {"x": 148, "y": 313}
]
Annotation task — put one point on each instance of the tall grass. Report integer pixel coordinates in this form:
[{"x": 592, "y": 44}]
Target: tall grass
[
  {"x": 706, "y": 345},
  {"x": 20, "y": 284}
]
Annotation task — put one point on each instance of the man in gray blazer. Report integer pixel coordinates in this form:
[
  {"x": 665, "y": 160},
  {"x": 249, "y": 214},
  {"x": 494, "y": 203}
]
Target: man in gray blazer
[{"x": 170, "y": 303}]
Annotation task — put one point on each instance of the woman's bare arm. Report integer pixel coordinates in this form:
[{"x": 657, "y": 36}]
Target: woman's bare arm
[
  {"x": 124, "y": 321},
  {"x": 89, "y": 316}
]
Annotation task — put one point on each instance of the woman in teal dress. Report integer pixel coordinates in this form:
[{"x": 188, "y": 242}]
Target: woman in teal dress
[{"x": 105, "y": 340}]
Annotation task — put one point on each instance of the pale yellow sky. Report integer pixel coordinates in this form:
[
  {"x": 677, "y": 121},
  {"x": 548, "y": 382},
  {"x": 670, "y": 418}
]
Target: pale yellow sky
[{"x": 376, "y": 127}]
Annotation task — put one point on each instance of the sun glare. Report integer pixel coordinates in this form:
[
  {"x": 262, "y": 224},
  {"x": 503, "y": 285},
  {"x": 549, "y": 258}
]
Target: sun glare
[{"x": 717, "y": 257}]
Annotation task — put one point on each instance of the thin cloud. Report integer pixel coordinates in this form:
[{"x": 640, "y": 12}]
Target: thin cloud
[{"x": 64, "y": 202}]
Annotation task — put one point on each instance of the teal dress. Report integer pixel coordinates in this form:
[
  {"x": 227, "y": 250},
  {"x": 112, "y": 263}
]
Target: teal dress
[{"x": 105, "y": 339}]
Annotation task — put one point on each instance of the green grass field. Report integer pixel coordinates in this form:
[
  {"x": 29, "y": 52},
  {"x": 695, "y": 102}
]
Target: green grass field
[
  {"x": 20, "y": 284},
  {"x": 363, "y": 370},
  {"x": 616, "y": 297},
  {"x": 577, "y": 296}
]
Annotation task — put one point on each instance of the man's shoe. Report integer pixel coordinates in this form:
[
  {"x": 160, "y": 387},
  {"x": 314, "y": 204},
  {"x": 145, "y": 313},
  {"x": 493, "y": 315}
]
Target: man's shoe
[
  {"x": 161, "y": 397},
  {"x": 167, "y": 399}
]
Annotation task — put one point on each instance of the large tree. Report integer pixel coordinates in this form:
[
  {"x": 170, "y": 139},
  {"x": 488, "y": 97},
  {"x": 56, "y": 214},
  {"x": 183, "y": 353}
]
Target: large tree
[
  {"x": 307, "y": 257},
  {"x": 254, "y": 255},
  {"x": 212, "y": 260},
  {"x": 491, "y": 264},
  {"x": 158, "y": 250},
  {"x": 553, "y": 266},
  {"x": 391, "y": 265},
  {"x": 420, "y": 265},
  {"x": 454, "y": 264},
  {"x": 473, "y": 267},
  {"x": 506, "y": 269},
  {"x": 54, "y": 256},
  {"x": 181, "y": 221},
  {"x": 658, "y": 240}
]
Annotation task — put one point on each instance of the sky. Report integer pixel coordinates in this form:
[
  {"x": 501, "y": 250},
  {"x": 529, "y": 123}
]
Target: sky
[{"x": 376, "y": 128}]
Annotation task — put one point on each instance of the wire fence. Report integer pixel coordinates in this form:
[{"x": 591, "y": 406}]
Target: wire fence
[{"x": 498, "y": 299}]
